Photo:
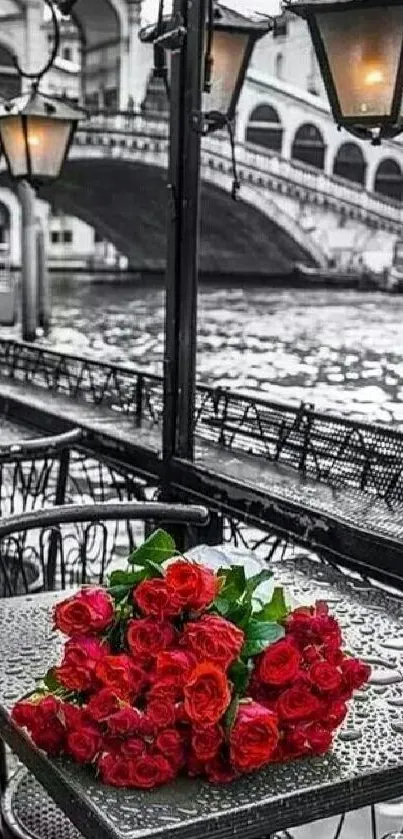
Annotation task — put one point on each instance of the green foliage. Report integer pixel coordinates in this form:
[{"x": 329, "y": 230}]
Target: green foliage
[
  {"x": 157, "y": 548},
  {"x": 239, "y": 676},
  {"x": 50, "y": 682},
  {"x": 259, "y": 635},
  {"x": 231, "y": 714},
  {"x": 276, "y": 610},
  {"x": 147, "y": 558}
]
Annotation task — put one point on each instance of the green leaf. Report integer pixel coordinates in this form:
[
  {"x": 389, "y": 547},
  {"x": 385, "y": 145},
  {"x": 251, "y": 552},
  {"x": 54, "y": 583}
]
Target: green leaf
[
  {"x": 259, "y": 635},
  {"x": 157, "y": 548},
  {"x": 221, "y": 605},
  {"x": 119, "y": 592},
  {"x": 239, "y": 675},
  {"x": 125, "y": 578},
  {"x": 50, "y": 682},
  {"x": 257, "y": 579},
  {"x": 276, "y": 610},
  {"x": 234, "y": 581},
  {"x": 152, "y": 569},
  {"x": 231, "y": 714}
]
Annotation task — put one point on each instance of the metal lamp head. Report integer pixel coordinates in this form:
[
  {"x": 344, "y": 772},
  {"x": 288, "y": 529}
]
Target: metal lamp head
[
  {"x": 233, "y": 39},
  {"x": 36, "y": 131},
  {"x": 358, "y": 44}
]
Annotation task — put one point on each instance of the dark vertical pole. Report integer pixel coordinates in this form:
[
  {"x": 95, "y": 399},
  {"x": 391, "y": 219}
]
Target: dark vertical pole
[{"x": 183, "y": 236}]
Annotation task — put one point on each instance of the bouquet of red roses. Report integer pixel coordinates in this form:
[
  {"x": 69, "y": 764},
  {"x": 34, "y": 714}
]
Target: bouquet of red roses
[{"x": 174, "y": 668}]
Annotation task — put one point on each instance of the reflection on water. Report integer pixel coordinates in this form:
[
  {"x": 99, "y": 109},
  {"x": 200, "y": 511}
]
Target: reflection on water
[{"x": 342, "y": 351}]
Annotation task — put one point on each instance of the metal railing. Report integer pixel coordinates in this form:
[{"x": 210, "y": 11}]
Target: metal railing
[{"x": 337, "y": 450}]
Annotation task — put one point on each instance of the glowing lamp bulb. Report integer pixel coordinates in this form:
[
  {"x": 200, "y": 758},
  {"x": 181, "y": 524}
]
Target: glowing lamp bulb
[
  {"x": 33, "y": 140},
  {"x": 374, "y": 77}
]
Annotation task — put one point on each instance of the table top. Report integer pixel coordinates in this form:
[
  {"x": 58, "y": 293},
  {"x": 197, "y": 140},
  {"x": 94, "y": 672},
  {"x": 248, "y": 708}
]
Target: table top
[{"x": 365, "y": 765}]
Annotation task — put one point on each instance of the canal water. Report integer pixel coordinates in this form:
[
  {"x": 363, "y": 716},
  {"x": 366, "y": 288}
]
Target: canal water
[{"x": 341, "y": 350}]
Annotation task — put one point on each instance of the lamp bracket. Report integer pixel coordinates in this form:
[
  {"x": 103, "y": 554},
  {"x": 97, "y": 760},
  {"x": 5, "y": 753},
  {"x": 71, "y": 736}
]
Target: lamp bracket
[
  {"x": 173, "y": 39},
  {"x": 36, "y": 77}
]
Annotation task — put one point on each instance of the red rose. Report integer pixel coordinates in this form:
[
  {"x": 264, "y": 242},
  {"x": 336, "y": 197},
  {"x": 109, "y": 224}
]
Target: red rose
[
  {"x": 133, "y": 747},
  {"x": 50, "y": 737},
  {"x": 154, "y": 599},
  {"x": 73, "y": 716},
  {"x": 325, "y": 677},
  {"x": 103, "y": 704},
  {"x": 335, "y": 714},
  {"x": 151, "y": 771},
  {"x": 207, "y": 741},
  {"x": 24, "y": 713},
  {"x": 77, "y": 670},
  {"x": 164, "y": 690},
  {"x": 121, "y": 673},
  {"x": 170, "y": 743},
  {"x": 355, "y": 674},
  {"x": 160, "y": 713},
  {"x": 219, "y": 771},
  {"x": 115, "y": 770},
  {"x": 191, "y": 585},
  {"x": 89, "y": 611},
  {"x": 314, "y": 626},
  {"x": 319, "y": 738},
  {"x": 254, "y": 737},
  {"x": 174, "y": 666},
  {"x": 146, "y": 637},
  {"x": 84, "y": 743},
  {"x": 215, "y": 639},
  {"x": 298, "y": 703},
  {"x": 125, "y": 722},
  {"x": 279, "y": 664},
  {"x": 37, "y": 713},
  {"x": 207, "y": 694}
]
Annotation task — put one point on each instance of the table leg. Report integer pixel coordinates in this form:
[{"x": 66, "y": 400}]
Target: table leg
[{"x": 3, "y": 766}]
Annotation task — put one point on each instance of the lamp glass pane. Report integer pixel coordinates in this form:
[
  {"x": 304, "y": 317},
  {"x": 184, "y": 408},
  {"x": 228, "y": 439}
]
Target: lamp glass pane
[
  {"x": 47, "y": 143},
  {"x": 363, "y": 47},
  {"x": 13, "y": 142},
  {"x": 228, "y": 51}
]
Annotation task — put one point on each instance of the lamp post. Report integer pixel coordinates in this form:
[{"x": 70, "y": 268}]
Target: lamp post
[
  {"x": 36, "y": 131},
  {"x": 359, "y": 47},
  {"x": 210, "y": 50}
]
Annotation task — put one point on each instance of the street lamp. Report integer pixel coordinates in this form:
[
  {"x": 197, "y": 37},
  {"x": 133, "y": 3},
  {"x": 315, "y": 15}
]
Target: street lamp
[
  {"x": 36, "y": 132},
  {"x": 228, "y": 45},
  {"x": 358, "y": 44},
  {"x": 210, "y": 48}
]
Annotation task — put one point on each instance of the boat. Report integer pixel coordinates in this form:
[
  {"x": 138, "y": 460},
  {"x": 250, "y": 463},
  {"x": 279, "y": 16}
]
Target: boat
[{"x": 336, "y": 277}]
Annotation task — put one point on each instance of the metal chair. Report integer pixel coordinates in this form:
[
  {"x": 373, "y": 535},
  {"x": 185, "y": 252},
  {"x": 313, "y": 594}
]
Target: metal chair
[{"x": 27, "y": 811}]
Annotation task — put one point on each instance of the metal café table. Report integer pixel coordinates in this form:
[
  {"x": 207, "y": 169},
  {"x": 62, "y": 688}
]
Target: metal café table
[{"x": 364, "y": 767}]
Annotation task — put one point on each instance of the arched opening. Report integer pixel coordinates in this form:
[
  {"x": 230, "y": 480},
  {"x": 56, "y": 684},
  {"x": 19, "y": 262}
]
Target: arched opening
[
  {"x": 309, "y": 146},
  {"x": 264, "y": 128},
  {"x": 389, "y": 179},
  {"x": 101, "y": 24},
  {"x": 4, "y": 230},
  {"x": 10, "y": 80},
  {"x": 350, "y": 163}
]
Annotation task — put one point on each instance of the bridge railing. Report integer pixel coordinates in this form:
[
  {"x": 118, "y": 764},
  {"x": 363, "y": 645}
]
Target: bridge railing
[
  {"x": 334, "y": 449},
  {"x": 260, "y": 167}
]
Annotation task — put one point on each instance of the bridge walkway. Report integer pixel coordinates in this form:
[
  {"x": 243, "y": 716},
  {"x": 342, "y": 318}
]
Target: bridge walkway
[{"x": 343, "y": 524}]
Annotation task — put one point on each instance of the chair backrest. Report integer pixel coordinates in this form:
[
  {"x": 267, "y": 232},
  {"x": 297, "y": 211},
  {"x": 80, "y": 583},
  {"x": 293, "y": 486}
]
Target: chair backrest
[
  {"x": 34, "y": 472},
  {"x": 65, "y": 545}
]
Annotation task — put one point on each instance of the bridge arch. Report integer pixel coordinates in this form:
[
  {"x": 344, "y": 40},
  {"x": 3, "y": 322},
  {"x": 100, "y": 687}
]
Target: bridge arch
[
  {"x": 264, "y": 128},
  {"x": 350, "y": 163},
  {"x": 309, "y": 146},
  {"x": 126, "y": 203},
  {"x": 389, "y": 179}
]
